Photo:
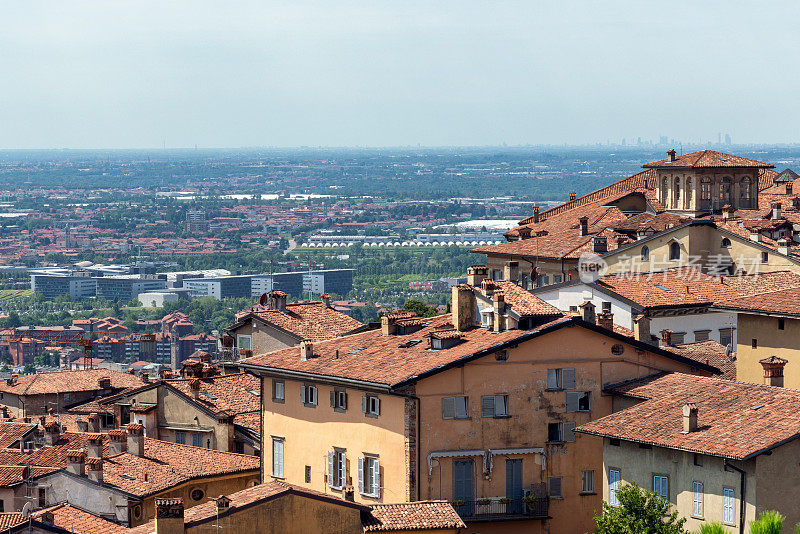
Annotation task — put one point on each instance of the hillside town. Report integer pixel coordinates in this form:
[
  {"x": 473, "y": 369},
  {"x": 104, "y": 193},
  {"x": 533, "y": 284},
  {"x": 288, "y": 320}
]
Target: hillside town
[{"x": 645, "y": 333}]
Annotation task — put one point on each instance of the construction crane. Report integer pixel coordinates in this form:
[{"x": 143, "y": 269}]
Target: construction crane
[{"x": 71, "y": 337}]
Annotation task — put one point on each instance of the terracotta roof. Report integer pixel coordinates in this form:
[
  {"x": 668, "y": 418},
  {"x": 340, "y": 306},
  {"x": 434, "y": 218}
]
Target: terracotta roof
[
  {"x": 12, "y": 475},
  {"x": 308, "y": 320},
  {"x": 224, "y": 394},
  {"x": 735, "y": 420},
  {"x": 249, "y": 420},
  {"x": 707, "y": 158},
  {"x": 419, "y": 515},
  {"x": 10, "y": 432},
  {"x": 78, "y": 521},
  {"x": 523, "y": 302},
  {"x": 710, "y": 352},
  {"x": 68, "y": 381},
  {"x": 11, "y": 519},
  {"x": 781, "y": 302}
]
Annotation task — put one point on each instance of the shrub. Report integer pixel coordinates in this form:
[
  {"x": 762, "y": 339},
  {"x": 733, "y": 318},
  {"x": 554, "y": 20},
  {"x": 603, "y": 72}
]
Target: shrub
[{"x": 767, "y": 522}]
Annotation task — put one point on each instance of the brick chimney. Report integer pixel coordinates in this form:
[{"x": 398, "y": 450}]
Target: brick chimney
[
  {"x": 776, "y": 210},
  {"x": 587, "y": 312},
  {"x": 499, "y": 303},
  {"x": 773, "y": 370},
  {"x": 279, "y": 300},
  {"x": 783, "y": 246},
  {"x": 641, "y": 329},
  {"x": 95, "y": 447},
  {"x": 511, "y": 271},
  {"x": 165, "y": 374},
  {"x": 52, "y": 432},
  {"x": 572, "y": 195},
  {"x": 599, "y": 245},
  {"x": 666, "y": 337},
  {"x": 76, "y": 459},
  {"x": 135, "y": 439},
  {"x": 606, "y": 320},
  {"x": 689, "y": 418},
  {"x": 476, "y": 274},
  {"x": 536, "y": 214},
  {"x": 194, "y": 386},
  {"x": 462, "y": 307},
  {"x": 83, "y": 426},
  {"x": 117, "y": 442},
  {"x": 104, "y": 382},
  {"x": 94, "y": 422},
  {"x": 307, "y": 347},
  {"x": 94, "y": 467},
  {"x": 727, "y": 211},
  {"x": 584, "y": 226},
  {"x": 671, "y": 154},
  {"x": 326, "y": 300},
  {"x": 169, "y": 516},
  {"x": 145, "y": 376}
]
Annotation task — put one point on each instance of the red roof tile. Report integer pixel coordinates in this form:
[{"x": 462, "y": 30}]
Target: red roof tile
[
  {"x": 419, "y": 515},
  {"x": 308, "y": 320},
  {"x": 78, "y": 521},
  {"x": 706, "y": 159}
]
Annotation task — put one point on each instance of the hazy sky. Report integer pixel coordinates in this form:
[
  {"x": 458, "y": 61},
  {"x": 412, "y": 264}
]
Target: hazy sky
[{"x": 228, "y": 74}]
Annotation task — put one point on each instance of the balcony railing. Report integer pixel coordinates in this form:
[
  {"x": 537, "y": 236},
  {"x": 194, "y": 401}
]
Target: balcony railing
[{"x": 498, "y": 509}]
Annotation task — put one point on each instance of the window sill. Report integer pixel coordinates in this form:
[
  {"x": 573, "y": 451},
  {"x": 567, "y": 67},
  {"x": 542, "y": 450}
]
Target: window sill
[
  {"x": 558, "y": 442},
  {"x": 275, "y": 477},
  {"x": 554, "y": 389},
  {"x": 279, "y": 401},
  {"x": 309, "y": 405},
  {"x": 556, "y": 498},
  {"x": 372, "y": 415},
  {"x": 340, "y": 410},
  {"x": 370, "y": 496},
  {"x": 588, "y": 493},
  {"x": 699, "y": 517},
  {"x": 502, "y": 417}
]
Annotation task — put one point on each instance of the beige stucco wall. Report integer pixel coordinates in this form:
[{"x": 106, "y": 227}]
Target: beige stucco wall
[
  {"x": 770, "y": 342},
  {"x": 778, "y": 484},
  {"x": 265, "y": 337},
  {"x": 176, "y": 411},
  {"x": 638, "y": 466}
]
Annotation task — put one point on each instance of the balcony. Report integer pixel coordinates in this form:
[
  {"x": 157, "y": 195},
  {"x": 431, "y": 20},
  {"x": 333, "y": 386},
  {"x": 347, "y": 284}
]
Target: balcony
[{"x": 502, "y": 509}]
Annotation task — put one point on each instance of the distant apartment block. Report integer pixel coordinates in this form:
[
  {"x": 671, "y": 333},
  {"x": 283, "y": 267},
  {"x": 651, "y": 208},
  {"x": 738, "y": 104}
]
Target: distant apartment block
[
  {"x": 54, "y": 285},
  {"x": 337, "y": 281},
  {"x": 219, "y": 287},
  {"x": 126, "y": 287},
  {"x": 196, "y": 221},
  {"x": 289, "y": 283}
]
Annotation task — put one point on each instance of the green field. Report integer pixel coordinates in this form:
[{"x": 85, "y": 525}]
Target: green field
[{"x": 11, "y": 294}]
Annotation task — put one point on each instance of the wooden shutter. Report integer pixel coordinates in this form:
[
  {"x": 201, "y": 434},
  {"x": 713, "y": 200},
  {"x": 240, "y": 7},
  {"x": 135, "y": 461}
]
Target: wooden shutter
[
  {"x": 501, "y": 405},
  {"x": 364, "y": 403},
  {"x": 361, "y": 475},
  {"x": 330, "y": 469},
  {"x": 378, "y": 405},
  {"x": 277, "y": 458},
  {"x": 342, "y": 469},
  {"x": 613, "y": 486},
  {"x": 448, "y": 407},
  {"x": 571, "y": 400},
  {"x": 568, "y": 378},
  {"x": 487, "y": 406},
  {"x": 376, "y": 477},
  {"x": 552, "y": 379},
  {"x": 568, "y": 432},
  {"x": 555, "y": 486},
  {"x": 344, "y": 400},
  {"x": 333, "y": 398},
  {"x": 303, "y": 394},
  {"x": 462, "y": 410}
]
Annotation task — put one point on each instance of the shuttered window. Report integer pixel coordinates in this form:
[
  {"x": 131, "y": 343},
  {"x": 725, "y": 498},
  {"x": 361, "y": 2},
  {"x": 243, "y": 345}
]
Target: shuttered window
[
  {"x": 614, "y": 478},
  {"x": 308, "y": 395},
  {"x": 339, "y": 400},
  {"x": 728, "y": 506},
  {"x": 369, "y": 476},
  {"x": 371, "y": 405},
  {"x": 494, "y": 406},
  {"x": 577, "y": 401},
  {"x": 697, "y": 499},
  {"x": 337, "y": 467},
  {"x": 278, "y": 390},
  {"x": 555, "y": 487},
  {"x": 455, "y": 408},
  {"x": 587, "y": 481},
  {"x": 568, "y": 431},
  {"x": 561, "y": 378},
  {"x": 277, "y": 457},
  {"x": 661, "y": 486}
]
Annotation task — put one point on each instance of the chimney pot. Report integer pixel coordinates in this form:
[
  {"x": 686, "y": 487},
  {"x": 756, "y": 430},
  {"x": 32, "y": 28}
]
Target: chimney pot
[
  {"x": 76, "y": 462},
  {"x": 169, "y": 516},
  {"x": 307, "y": 347},
  {"x": 135, "y": 439},
  {"x": 117, "y": 442},
  {"x": 773, "y": 370},
  {"x": 666, "y": 337},
  {"x": 689, "y": 418},
  {"x": 789, "y": 188},
  {"x": 462, "y": 307},
  {"x": 476, "y": 274},
  {"x": 606, "y": 320},
  {"x": 776, "y": 210},
  {"x": 584, "y": 226},
  {"x": 671, "y": 154},
  {"x": 194, "y": 386},
  {"x": 572, "y": 195},
  {"x": 326, "y": 300},
  {"x": 535, "y": 214},
  {"x": 95, "y": 469},
  {"x": 587, "y": 312}
]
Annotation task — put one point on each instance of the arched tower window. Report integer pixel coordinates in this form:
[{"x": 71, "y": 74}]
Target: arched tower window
[
  {"x": 674, "y": 251},
  {"x": 726, "y": 243},
  {"x": 725, "y": 191},
  {"x": 746, "y": 190},
  {"x": 645, "y": 253},
  {"x": 688, "y": 194}
]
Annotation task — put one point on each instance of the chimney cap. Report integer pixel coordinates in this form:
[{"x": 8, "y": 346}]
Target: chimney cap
[{"x": 688, "y": 408}]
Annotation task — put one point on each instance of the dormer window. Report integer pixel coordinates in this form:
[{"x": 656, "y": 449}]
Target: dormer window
[
  {"x": 444, "y": 339},
  {"x": 436, "y": 344},
  {"x": 487, "y": 317}
]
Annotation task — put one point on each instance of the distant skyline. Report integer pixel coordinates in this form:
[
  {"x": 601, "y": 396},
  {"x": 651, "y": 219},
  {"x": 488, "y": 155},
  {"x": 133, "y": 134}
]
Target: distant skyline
[{"x": 91, "y": 74}]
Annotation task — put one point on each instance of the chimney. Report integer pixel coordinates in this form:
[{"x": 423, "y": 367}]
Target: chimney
[
  {"x": 94, "y": 467},
  {"x": 104, "y": 382},
  {"x": 671, "y": 154},
  {"x": 587, "y": 312},
  {"x": 94, "y": 422},
  {"x": 755, "y": 236},
  {"x": 572, "y": 195},
  {"x": 279, "y": 297},
  {"x": 788, "y": 188},
  {"x": 584, "y": 226},
  {"x": 511, "y": 271},
  {"x": 727, "y": 211},
  {"x": 689, "y": 418},
  {"x": 606, "y": 320},
  {"x": 194, "y": 385},
  {"x": 135, "y": 439},
  {"x": 4, "y": 411},
  {"x": 223, "y": 503},
  {"x": 599, "y": 245},
  {"x": 52, "y": 432},
  {"x": 773, "y": 370},
  {"x": 165, "y": 374},
  {"x": 95, "y": 447},
  {"x": 76, "y": 462},
  {"x": 83, "y": 426},
  {"x": 462, "y": 307},
  {"x": 169, "y": 516},
  {"x": 117, "y": 442},
  {"x": 307, "y": 346},
  {"x": 145, "y": 376},
  {"x": 476, "y": 274},
  {"x": 499, "y": 302},
  {"x": 776, "y": 210},
  {"x": 641, "y": 329},
  {"x": 536, "y": 214},
  {"x": 666, "y": 337},
  {"x": 783, "y": 246},
  {"x": 326, "y": 300}
]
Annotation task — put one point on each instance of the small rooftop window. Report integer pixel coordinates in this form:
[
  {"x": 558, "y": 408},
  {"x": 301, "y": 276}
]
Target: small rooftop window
[
  {"x": 254, "y": 392},
  {"x": 410, "y": 343},
  {"x": 757, "y": 406},
  {"x": 357, "y": 350},
  {"x": 659, "y": 286},
  {"x": 210, "y": 395}
]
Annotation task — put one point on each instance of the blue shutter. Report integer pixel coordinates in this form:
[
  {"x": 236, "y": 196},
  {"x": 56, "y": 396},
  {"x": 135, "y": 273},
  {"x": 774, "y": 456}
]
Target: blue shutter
[
  {"x": 376, "y": 478},
  {"x": 361, "y": 475},
  {"x": 330, "y": 469}
]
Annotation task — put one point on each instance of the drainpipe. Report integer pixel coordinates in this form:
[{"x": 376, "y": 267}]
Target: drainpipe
[{"x": 743, "y": 487}]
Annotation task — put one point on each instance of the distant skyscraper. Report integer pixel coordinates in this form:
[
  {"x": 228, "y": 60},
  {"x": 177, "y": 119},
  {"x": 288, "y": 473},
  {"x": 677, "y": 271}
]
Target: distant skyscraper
[{"x": 727, "y": 139}]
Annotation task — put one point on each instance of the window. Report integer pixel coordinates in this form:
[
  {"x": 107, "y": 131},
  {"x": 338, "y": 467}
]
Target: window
[
  {"x": 661, "y": 486},
  {"x": 244, "y": 342},
  {"x": 197, "y": 439},
  {"x": 561, "y": 432},
  {"x": 371, "y": 405},
  {"x": 614, "y": 442},
  {"x": 645, "y": 253},
  {"x": 494, "y": 406},
  {"x": 278, "y": 390},
  {"x": 587, "y": 481},
  {"x": 617, "y": 349},
  {"x": 308, "y": 395},
  {"x": 728, "y": 506},
  {"x": 277, "y": 457},
  {"x": 436, "y": 344},
  {"x": 697, "y": 499},
  {"x": 726, "y": 243},
  {"x": 754, "y": 343},
  {"x": 339, "y": 400},
  {"x": 197, "y": 494},
  {"x": 613, "y": 485},
  {"x": 606, "y": 306},
  {"x": 180, "y": 437},
  {"x": 701, "y": 335},
  {"x": 42, "y": 497},
  {"x": 308, "y": 474},
  {"x": 337, "y": 467},
  {"x": 678, "y": 337},
  {"x": 674, "y": 251},
  {"x": 501, "y": 355},
  {"x": 455, "y": 408},
  {"x": 698, "y": 460},
  {"x": 369, "y": 476},
  {"x": 557, "y": 278},
  {"x": 781, "y": 324},
  {"x": 764, "y": 257},
  {"x": 561, "y": 378},
  {"x": 578, "y": 401},
  {"x": 555, "y": 487},
  {"x": 725, "y": 336},
  {"x": 554, "y": 432}
]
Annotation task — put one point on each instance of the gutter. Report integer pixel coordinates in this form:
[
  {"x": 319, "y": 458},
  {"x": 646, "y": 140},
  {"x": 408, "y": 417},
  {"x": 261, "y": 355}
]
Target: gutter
[
  {"x": 260, "y": 370},
  {"x": 742, "y": 489}
]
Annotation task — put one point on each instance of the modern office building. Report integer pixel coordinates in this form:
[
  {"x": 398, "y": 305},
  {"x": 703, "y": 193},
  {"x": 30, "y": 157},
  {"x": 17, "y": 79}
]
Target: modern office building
[
  {"x": 220, "y": 286},
  {"x": 336, "y": 281},
  {"x": 289, "y": 283},
  {"x": 127, "y": 287},
  {"x": 53, "y": 285}
]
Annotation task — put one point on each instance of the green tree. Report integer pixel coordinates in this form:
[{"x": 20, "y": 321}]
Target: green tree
[
  {"x": 13, "y": 320},
  {"x": 713, "y": 528},
  {"x": 639, "y": 511},
  {"x": 418, "y": 307},
  {"x": 767, "y": 522}
]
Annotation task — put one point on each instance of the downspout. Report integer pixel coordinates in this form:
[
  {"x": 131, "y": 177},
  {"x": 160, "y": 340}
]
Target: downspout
[
  {"x": 742, "y": 489},
  {"x": 419, "y": 447}
]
